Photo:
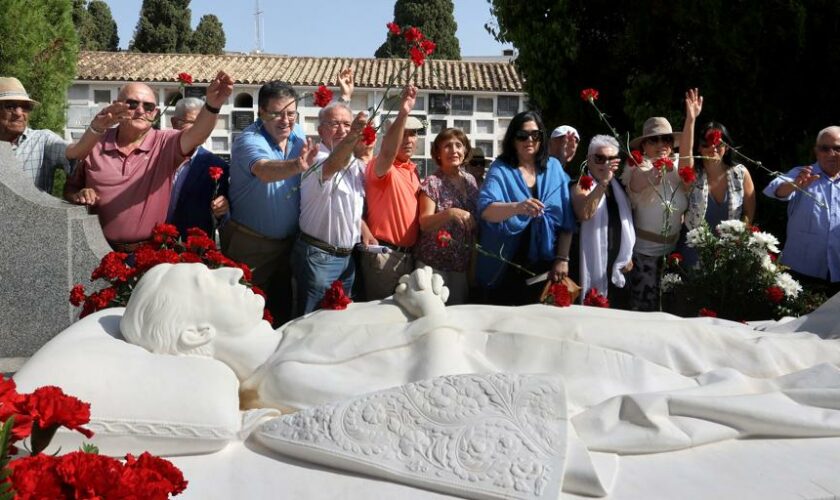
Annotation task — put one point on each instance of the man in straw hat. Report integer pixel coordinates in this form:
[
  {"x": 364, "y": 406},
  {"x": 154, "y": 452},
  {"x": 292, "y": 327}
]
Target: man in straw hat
[
  {"x": 42, "y": 151},
  {"x": 127, "y": 177}
]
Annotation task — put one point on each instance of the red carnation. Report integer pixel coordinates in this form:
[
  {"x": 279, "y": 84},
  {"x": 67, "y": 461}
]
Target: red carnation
[
  {"x": 334, "y": 297},
  {"x": 90, "y": 475},
  {"x": 50, "y": 407},
  {"x": 185, "y": 78},
  {"x": 77, "y": 295},
  {"x": 164, "y": 234},
  {"x": 663, "y": 164},
  {"x": 636, "y": 157},
  {"x": 755, "y": 229},
  {"x": 200, "y": 243},
  {"x": 190, "y": 258},
  {"x": 443, "y": 238},
  {"x": 196, "y": 231},
  {"x": 216, "y": 173},
  {"x": 412, "y": 35},
  {"x": 585, "y": 182},
  {"x": 393, "y": 28},
  {"x": 675, "y": 259},
  {"x": 595, "y": 299},
  {"x": 246, "y": 271},
  {"x": 112, "y": 267},
  {"x": 772, "y": 256},
  {"x": 155, "y": 476},
  {"x": 369, "y": 134},
  {"x": 713, "y": 138},
  {"x": 558, "y": 295},
  {"x": 708, "y": 313},
  {"x": 35, "y": 477},
  {"x": 687, "y": 174},
  {"x": 428, "y": 46},
  {"x": 12, "y": 404},
  {"x": 775, "y": 294},
  {"x": 418, "y": 57},
  {"x": 268, "y": 317},
  {"x": 322, "y": 96},
  {"x": 590, "y": 95}
]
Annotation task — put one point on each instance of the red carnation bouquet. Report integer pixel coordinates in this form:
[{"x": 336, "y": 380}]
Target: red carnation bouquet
[
  {"x": 79, "y": 474},
  {"x": 122, "y": 272}
]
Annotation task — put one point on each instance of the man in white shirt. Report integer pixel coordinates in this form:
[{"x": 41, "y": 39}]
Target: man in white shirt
[{"x": 331, "y": 203}]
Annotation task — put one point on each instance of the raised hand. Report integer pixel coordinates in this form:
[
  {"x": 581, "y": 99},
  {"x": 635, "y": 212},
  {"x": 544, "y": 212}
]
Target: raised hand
[
  {"x": 345, "y": 81},
  {"x": 409, "y": 96},
  {"x": 307, "y": 156},
  {"x": 693, "y": 103},
  {"x": 110, "y": 116},
  {"x": 805, "y": 177},
  {"x": 359, "y": 123},
  {"x": 219, "y": 90}
]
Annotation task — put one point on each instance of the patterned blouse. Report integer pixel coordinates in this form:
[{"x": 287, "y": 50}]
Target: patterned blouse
[{"x": 456, "y": 256}]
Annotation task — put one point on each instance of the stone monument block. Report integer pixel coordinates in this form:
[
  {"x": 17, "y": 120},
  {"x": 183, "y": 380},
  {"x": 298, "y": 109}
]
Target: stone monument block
[{"x": 48, "y": 245}]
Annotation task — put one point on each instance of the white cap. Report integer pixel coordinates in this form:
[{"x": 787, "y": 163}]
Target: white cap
[
  {"x": 562, "y": 130},
  {"x": 411, "y": 123}
]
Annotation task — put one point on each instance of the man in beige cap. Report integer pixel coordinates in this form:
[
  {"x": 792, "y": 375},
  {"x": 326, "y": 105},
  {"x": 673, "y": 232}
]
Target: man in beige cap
[
  {"x": 42, "y": 151},
  {"x": 563, "y": 146},
  {"x": 391, "y": 187}
]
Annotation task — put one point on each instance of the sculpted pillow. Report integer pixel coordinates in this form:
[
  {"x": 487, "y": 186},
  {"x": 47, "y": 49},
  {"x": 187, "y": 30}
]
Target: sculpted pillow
[{"x": 167, "y": 405}]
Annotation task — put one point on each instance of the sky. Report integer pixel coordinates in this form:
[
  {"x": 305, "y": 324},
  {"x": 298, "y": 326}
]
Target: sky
[{"x": 323, "y": 28}]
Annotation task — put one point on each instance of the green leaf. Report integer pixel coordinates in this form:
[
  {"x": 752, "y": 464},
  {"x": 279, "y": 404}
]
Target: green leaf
[{"x": 90, "y": 448}]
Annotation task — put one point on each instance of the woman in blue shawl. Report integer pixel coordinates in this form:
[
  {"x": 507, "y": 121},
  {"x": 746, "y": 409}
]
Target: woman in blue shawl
[{"x": 526, "y": 215}]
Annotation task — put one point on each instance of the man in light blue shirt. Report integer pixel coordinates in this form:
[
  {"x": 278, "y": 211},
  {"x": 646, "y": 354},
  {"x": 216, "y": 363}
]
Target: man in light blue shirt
[
  {"x": 812, "y": 247},
  {"x": 266, "y": 163}
]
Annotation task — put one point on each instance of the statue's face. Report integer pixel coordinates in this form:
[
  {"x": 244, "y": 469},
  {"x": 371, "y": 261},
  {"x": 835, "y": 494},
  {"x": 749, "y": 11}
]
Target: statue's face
[{"x": 215, "y": 297}]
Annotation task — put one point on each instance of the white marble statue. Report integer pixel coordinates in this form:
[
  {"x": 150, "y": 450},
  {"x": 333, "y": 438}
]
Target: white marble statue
[{"x": 636, "y": 382}]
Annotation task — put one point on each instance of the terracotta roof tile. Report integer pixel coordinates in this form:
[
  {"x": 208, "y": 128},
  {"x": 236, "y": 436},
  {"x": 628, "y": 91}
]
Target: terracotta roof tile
[{"x": 257, "y": 69}]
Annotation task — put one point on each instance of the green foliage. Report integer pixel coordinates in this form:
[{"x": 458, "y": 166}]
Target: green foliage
[
  {"x": 164, "y": 27},
  {"x": 434, "y": 18},
  {"x": 89, "y": 448},
  {"x": 95, "y": 25},
  {"x": 6, "y": 492},
  {"x": 764, "y": 67},
  {"x": 39, "y": 46},
  {"x": 209, "y": 36}
]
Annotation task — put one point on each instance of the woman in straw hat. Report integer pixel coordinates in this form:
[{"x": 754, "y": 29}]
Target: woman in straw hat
[{"x": 658, "y": 197}]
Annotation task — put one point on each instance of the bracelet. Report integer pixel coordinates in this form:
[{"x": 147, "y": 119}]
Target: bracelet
[
  {"x": 211, "y": 109},
  {"x": 96, "y": 131},
  {"x": 342, "y": 99},
  {"x": 564, "y": 259}
]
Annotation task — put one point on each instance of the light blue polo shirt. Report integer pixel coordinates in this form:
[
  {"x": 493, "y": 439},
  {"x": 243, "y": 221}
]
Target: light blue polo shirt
[{"x": 273, "y": 208}]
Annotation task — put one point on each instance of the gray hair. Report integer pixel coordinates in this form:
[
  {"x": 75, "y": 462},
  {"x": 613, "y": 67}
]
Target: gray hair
[
  {"x": 322, "y": 115},
  {"x": 834, "y": 130},
  {"x": 186, "y": 105},
  {"x": 601, "y": 141}
]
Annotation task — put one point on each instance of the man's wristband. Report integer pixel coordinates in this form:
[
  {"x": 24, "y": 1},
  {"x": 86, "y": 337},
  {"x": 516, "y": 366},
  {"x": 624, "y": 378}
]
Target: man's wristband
[
  {"x": 211, "y": 109},
  {"x": 561, "y": 258},
  {"x": 95, "y": 131}
]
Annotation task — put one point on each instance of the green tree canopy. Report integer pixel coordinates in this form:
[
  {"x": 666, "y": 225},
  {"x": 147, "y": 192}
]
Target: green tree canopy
[
  {"x": 209, "y": 36},
  {"x": 434, "y": 18},
  {"x": 164, "y": 26},
  {"x": 95, "y": 26},
  {"x": 39, "y": 47},
  {"x": 764, "y": 67}
]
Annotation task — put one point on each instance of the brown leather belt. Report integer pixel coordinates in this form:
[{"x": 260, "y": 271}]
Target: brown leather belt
[
  {"x": 323, "y": 245},
  {"x": 656, "y": 237},
  {"x": 395, "y": 247},
  {"x": 127, "y": 247}
]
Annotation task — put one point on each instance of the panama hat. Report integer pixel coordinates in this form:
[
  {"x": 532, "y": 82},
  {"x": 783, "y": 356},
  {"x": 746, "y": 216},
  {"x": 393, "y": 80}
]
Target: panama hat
[
  {"x": 12, "y": 90},
  {"x": 654, "y": 127}
]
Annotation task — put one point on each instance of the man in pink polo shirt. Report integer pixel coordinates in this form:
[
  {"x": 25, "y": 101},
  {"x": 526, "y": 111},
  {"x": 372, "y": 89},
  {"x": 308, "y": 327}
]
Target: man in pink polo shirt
[
  {"x": 127, "y": 178},
  {"x": 391, "y": 187}
]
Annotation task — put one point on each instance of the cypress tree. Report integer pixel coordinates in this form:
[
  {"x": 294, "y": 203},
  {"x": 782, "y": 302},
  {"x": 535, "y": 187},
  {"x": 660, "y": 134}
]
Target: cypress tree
[
  {"x": 103, "y": 31},
  {"x": 209, "y": 36},
  {"x": 434, "y": 18},
  {"x": 164, "y": 26}
]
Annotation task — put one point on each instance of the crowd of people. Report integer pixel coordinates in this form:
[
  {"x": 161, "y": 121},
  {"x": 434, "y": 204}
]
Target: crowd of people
[{"x": 302, "y": 215}]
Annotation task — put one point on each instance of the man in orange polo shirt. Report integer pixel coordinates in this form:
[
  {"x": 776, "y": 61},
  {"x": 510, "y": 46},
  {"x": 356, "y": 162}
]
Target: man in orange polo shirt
[{"x": 391, "y": 187}]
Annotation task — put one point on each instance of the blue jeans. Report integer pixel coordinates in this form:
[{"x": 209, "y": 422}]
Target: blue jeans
[{"x": 314, "y": 271}]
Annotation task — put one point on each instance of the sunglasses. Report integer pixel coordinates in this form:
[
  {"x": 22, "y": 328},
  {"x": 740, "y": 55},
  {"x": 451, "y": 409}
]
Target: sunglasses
[
  {"x": 148, "y": 107},
  {"x": 524, "y": 135},
  {"x": 26, "y": 107},
  {"x": 825, "y": 148},
  {"x": 661, "y": 139},
  {"x": 601, "y": 159}
]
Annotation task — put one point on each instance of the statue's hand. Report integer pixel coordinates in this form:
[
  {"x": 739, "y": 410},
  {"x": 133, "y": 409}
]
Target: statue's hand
[{"x": 422, "y": 293}]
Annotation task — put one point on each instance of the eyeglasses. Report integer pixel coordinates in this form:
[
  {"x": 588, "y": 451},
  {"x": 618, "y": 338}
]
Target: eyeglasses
[
  {"x": 825, "y": 148},
  {"x": 601, "y": 159},
  {"x": 148, "y": 107},
  {"x": 26, "y": 107},
  {"x": 661, "y": 139},
  {"x": 288, "y": 115},
  {"x": 334, "y": 124},
  {"x": 524, "y": 135}
]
